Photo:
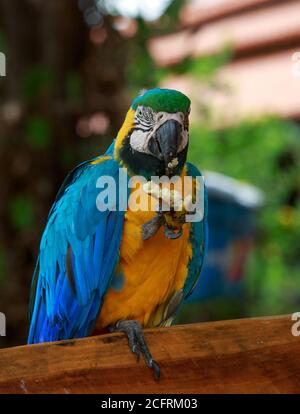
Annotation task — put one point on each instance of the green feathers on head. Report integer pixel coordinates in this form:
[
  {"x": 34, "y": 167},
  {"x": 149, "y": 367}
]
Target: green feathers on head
[{"x": 163, "y": 100}]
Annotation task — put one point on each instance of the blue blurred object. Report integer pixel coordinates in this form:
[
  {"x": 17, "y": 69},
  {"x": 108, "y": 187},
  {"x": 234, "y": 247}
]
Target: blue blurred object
[{"x": 232, "y": 208}]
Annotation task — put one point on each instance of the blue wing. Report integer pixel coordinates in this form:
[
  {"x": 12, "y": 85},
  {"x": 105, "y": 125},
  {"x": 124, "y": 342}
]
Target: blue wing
[
  {"x": 79, "y": 252},
  {"x": 199, "y": 240}
]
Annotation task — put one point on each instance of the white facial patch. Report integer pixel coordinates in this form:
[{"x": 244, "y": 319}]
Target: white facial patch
[{"x": 139, "y": 140}]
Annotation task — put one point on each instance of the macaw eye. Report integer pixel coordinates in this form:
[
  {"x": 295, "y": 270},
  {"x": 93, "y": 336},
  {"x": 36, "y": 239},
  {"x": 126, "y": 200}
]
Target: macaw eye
[{"x": 160, "y": 117}]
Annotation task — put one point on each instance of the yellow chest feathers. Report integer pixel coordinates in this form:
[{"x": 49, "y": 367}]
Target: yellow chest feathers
[{"x": 150, "y": 272}]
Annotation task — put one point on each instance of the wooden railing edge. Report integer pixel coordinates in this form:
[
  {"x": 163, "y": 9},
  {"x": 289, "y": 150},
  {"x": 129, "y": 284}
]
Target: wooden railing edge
[{"x": 244, "y": 355}]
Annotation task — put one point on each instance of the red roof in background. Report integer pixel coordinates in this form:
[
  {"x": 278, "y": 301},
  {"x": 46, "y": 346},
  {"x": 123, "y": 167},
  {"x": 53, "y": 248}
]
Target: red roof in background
[
  {"x": 264, "y": 34},
  {"x": 253, "y": 86},
  {"x": 171, "y": 49},
  {"x": 199, "y": 12},
  {"x": 247, "y": 32}
]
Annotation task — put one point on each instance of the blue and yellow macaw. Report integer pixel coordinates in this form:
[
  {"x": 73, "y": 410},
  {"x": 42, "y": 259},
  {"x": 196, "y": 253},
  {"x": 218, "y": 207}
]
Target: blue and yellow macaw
[{"x": 121, "y": 270}]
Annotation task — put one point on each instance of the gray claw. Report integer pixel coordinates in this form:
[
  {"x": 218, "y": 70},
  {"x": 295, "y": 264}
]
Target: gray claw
[
  {"x": 154, "y": 365},
  {"x": 137, "y": 343},
  {"x": 170, "y": 234},
  {"x": 150, "y": 228},
  {"x": 156, "y": 370},
  {"x": 136, "y": 351}
]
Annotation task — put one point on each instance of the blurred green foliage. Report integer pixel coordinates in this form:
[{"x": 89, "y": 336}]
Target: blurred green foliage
[
  {"x": 38, "y": 132},
  {"x": 74, "y": 88},
  {"x": 204, "y": 68},
  {"x": 37, "y": 80},
  {"x": 2, "y": 264},
  {"x": 266, "y": 153},
  {"x": 21, "y": 212},
  {"x": 141, "y": 72}
]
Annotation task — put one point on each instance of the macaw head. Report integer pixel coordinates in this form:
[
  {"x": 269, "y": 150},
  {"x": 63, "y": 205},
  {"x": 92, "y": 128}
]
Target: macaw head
[{"x": 153, "y": 140}]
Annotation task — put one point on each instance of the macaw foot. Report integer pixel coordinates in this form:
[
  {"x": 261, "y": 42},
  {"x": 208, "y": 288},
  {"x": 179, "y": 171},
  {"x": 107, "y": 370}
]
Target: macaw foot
[
  {"x": 150, "y": 228},
  {"x": 173, "y": 234},
  {"x": 137, "y": 343}
]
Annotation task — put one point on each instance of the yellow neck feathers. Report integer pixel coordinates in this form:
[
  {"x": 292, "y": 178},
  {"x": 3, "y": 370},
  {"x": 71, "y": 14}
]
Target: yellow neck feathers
[{"x": 124, "y": 131}]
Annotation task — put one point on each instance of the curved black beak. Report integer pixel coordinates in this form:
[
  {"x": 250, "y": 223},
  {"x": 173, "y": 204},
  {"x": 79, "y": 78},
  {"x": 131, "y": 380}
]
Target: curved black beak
[{"x": 166, "y": 141}]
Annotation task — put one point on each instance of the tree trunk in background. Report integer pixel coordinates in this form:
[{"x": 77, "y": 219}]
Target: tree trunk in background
[{"x": 55, "y": 75}]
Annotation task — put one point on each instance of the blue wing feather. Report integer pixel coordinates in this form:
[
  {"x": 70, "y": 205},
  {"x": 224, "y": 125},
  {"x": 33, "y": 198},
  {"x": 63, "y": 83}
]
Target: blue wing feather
[
  {"x": 60, "y": 310},
  {"x": 199, "y": 241}
]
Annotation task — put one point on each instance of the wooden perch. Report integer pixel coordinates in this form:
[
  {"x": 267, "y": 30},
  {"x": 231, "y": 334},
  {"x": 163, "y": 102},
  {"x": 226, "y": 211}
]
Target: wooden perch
[{"x": 258, "y": 355}]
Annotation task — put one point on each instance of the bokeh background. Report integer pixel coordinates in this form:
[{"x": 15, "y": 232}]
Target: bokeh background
[{"x": 72, "y": 68}]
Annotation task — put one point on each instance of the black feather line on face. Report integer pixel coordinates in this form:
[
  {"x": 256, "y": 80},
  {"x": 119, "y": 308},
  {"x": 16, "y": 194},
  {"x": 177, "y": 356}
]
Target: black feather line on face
[{"x": 147, "y": 165}]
